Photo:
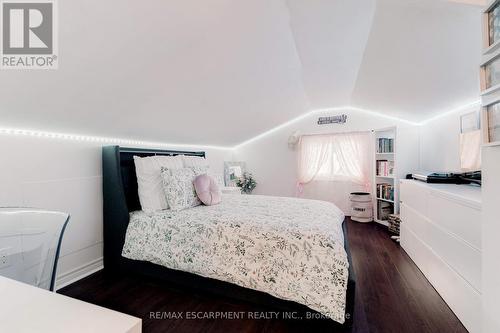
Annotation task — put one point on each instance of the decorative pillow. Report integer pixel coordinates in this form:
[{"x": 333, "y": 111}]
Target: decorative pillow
[
  {"x": 149, "y": 180},
  {"x": 207, "y": 190},
  {"x": 199, "y": 170},
  {"x": 194, "y": 161},
  {"x": 179, "y": 188}
]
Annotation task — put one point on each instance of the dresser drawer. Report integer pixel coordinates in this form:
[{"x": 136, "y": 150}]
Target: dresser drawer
[
  {"x": 460, "y": 256},
  {"x": 463, "y": 299},
  {"x": 415, "y": 221},
  {"x": 415, "y": 195},
  {"x": 441, "y": 232},
  {"x": 462, "y": 220}
]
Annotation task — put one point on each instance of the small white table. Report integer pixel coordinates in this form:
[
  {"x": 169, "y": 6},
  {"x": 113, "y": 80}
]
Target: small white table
[
  {"x": 28, "y": 309},
  {"x": 231, "y": 190}
]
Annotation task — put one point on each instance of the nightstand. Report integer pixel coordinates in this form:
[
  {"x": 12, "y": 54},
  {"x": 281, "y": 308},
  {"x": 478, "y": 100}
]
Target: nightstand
[{"x": 231, "y": 190}]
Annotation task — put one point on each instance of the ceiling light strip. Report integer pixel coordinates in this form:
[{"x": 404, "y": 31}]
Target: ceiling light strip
[
  {"x": 317, "y": 111},
  {"x": 99, "y": 139},
  {"x": 465, "y": 107},
  {"x": 119, "y": 141}
]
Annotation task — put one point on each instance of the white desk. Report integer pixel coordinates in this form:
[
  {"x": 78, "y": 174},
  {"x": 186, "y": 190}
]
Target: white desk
[{"x": 24, "y": 308}]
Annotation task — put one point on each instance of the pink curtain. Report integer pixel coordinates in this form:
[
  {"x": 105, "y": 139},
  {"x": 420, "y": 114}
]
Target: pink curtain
[
  {"x": 313, "y": 153},
  {"x": 341, "y": 159}
]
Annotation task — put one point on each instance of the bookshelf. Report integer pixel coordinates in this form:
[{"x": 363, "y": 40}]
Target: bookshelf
[{"x": 385, "y": 193}]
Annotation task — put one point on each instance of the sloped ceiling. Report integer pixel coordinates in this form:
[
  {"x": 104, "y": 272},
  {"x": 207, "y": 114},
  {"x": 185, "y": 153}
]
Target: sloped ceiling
[
  {"x": 213, "y": 72},
  {"x": 422, "y": 58},
  {"x": 331, "y": 37},
  {"x": 223, "y": 71}
]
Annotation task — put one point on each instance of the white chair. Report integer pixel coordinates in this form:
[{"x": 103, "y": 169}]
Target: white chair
[{"x": 30, "y": 241}]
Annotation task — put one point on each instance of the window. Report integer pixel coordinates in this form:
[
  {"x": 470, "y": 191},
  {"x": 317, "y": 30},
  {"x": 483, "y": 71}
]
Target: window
[{"x": 335, "y": 157}]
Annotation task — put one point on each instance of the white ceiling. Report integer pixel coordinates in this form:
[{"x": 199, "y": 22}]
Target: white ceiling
[
  {"x": 331, "y": 37},
  {"x": 422, "y": 58},
  {"x": 224, "y": 71}
]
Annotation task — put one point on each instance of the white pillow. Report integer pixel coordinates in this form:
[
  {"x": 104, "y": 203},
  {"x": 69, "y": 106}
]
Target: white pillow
[
  {"x": 194, "y": 161},
  {"x": 179, "y": 188},
  {"x": 149, "y": 181}
]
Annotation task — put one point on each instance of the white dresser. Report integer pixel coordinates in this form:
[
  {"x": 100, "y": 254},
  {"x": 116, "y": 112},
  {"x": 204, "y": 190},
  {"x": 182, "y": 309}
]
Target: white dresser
[{"x": 441, "y": 232}]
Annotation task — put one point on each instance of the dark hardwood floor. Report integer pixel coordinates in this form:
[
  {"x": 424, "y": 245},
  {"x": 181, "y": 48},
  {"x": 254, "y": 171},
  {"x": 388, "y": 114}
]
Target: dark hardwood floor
[{"x": 392, "y": 295}]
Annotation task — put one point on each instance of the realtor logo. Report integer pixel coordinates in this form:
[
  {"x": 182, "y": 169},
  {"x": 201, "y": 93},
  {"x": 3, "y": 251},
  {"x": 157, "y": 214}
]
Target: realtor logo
[{"x": 28, "y": 34}]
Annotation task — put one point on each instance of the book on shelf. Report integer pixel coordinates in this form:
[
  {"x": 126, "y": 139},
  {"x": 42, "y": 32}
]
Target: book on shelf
[
  {"x": 384, "y": 210},
  {"x": 394, "y": 221},
  {"x": 385, "y": 191},
  {"x": 385, "y": 168},
  {"x": 385, "y": 145}
]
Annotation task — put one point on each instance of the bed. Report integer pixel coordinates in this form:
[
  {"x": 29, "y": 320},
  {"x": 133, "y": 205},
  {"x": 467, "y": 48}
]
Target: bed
[{"x": 280, "y": 253}]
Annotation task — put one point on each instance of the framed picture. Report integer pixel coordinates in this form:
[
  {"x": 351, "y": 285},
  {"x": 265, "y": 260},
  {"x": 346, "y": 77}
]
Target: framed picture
[
  {"x": 493, "y": 122},
  {"x": 233, "y": 171},
  {"x": 470, "y": 122},
  {"x": 491, "y": 22},
  {"x": 490, "y": 74}
]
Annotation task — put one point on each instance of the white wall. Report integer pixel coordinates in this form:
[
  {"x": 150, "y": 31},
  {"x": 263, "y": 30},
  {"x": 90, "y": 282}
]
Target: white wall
[
  {"x": 66, "y": 176},
  {"x": 440, "y": 142},
  {"x": 274, "y": 165}
]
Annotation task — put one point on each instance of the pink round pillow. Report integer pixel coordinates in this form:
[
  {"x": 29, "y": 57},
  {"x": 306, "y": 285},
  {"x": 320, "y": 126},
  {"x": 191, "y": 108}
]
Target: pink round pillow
[{"x": 207, "y": 190}]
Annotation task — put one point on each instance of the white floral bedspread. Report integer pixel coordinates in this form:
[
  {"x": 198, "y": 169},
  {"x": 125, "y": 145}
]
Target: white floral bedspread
[{"x": 290, "y": 248}]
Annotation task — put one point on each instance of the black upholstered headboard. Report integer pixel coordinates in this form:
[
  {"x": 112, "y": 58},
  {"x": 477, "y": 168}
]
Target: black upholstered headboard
[
  {"x": 127, "y": 167},
  {"x": 120, "y": 195}
]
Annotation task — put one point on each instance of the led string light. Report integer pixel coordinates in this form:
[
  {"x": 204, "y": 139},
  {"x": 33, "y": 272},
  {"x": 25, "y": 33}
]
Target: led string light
[
  {"x": 358, "y": 109},
  {"x": 456, "y": 110},
  {"x": 99, "y": 139},
  {"x": 119, "y": 141}
]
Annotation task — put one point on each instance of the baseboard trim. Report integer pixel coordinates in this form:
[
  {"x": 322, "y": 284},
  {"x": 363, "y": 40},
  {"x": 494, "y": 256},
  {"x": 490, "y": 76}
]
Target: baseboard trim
[{"x": 79, "y": 273}]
